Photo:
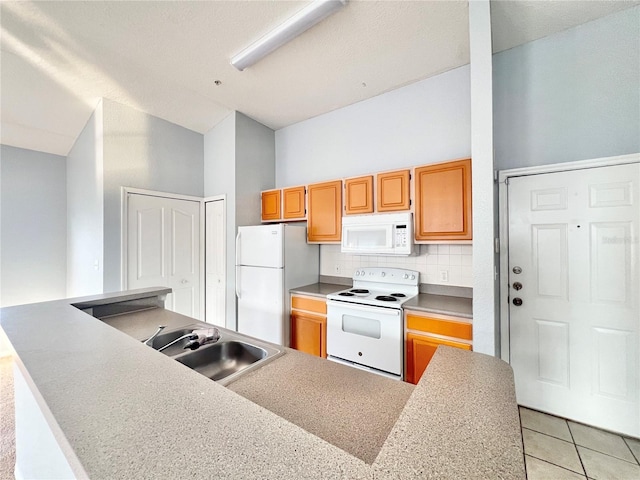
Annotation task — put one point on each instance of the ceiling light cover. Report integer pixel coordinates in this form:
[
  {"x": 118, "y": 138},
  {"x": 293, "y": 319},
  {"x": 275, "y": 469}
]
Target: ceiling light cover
[{"x": 294, "y": 26}]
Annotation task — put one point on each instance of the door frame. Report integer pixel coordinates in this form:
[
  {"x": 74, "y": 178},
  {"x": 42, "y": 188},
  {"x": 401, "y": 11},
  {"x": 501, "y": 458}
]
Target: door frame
[
  {"x": 124, "y": 217},
  {"x": 503, "y": 216}
]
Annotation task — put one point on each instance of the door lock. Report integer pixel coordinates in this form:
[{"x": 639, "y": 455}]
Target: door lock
[
  {"x": 517, "y": 286},
  {"x": 517, "y": 270},
  {"x": 517, "y": 301}
]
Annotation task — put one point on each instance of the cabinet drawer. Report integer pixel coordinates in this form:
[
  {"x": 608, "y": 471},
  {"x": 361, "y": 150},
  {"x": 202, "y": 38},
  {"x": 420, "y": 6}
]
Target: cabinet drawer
[
  {"x": 309, "y": 304},
  {"x": 448, "y": 328}
]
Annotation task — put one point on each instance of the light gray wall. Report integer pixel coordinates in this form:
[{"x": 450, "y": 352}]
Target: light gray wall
[
  {"x": 255, "y": 167},
  {"x": 571, "y": 96},
  {"x": 220, "y": 178},
  {"x": 239, "y": 161},
  {"x": 422, "y": 123},
  {"x": 143, "y": 151},
  {"x": 33, "y": 225},
  {"x": 85, "y": 201}
]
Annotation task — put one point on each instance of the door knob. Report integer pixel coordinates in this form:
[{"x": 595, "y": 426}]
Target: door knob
[
  {"x": 517, "y": 285},
  {"x": 517, "y": 301}
]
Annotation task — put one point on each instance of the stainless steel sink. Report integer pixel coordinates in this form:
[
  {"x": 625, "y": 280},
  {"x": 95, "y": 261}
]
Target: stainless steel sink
[
  {"x": 234, "y": 354},
  {"x": 222, "y": 359}
]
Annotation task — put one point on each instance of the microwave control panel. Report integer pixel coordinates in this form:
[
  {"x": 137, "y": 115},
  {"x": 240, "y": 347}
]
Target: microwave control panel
[{"x": 401, "y": 236}]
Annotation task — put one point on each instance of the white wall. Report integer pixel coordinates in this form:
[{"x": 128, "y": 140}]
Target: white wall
[
  {"x": 33, "y": 225},
  {"x": 85, "y": 210},
  {"x": 422, "y": 123},
  {"x": 143, "y": 151},
  {"x": 570, "y": 96}
]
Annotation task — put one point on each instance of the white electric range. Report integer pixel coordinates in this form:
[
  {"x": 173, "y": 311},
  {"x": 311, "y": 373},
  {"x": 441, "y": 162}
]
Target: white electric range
[{"x": 364, "y": 322}]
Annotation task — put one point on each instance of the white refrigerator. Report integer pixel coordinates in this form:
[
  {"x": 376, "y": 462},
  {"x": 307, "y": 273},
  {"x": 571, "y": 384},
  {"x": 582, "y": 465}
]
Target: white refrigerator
[{"x": 270, "y": 260}]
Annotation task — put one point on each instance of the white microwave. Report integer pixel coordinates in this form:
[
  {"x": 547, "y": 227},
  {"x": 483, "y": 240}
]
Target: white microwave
[{"x": 378, "y": 234}]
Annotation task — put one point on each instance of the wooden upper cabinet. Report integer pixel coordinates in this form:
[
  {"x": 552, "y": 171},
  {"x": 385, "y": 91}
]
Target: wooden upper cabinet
[
  {"x": 392, "y": 191},
  {"x": 324, "y": 218},
  {"x": 358, "y": 195},
  {"x": 293, "y": 200},
  {"x": 443, "y": 201},
  {"x": 271, "y": 205}
]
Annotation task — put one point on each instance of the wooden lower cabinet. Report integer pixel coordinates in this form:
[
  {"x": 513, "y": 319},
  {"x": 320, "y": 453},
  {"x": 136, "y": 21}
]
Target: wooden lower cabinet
[
  {"x": 419, "y": 350},
  {"x": 309, "y": 325},
  {"x": 424, "y": 333}
]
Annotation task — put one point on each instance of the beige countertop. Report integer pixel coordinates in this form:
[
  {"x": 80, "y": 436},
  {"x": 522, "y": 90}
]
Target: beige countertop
[
  {"x": 128, "y": 411},
  {"x": 425, "y": 302}
]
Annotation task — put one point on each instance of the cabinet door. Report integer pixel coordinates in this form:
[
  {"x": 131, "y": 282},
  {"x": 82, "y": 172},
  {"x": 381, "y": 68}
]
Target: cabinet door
[
  {"x": 271, "y": 205},
  {"x": 392, "y": 190},
  {"x": 419, "y": 351},
  {"x": 293, "y": 199},
  {"x": 358, "y": 195},
  {"x": 324, "y": 215},
  {"x": 443, "y": 201},
  {"x": 309, "y": 333}
]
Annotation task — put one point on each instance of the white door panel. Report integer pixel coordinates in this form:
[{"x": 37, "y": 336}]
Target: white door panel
[
  {"x": 163, "y": 249},
  {"x": 215, "y": 276},
  {"x": 574, "y": 340},
  {"x": 261, "y": 303}
]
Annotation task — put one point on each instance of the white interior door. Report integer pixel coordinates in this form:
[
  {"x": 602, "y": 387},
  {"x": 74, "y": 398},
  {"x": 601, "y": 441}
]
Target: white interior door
[
  {"x": 574, "y": 266},
  {"x": 163, "y": 249},
  {"x": 215, "y": 276}
]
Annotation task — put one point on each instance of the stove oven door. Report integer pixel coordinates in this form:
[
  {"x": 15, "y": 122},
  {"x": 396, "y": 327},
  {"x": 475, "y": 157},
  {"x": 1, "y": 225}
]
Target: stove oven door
[{"x": 366, "y": 335}]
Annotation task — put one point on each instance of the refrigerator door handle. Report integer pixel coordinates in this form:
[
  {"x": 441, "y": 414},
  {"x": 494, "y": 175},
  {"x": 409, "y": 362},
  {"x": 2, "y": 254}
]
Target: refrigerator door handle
[
  {"x": 238, "y": 248},
  {"x": 237, "y": 281}
]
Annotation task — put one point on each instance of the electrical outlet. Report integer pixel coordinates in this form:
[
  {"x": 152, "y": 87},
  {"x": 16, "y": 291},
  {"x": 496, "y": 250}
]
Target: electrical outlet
[
  {"x": 336, "y": 269},
  {"x": 444, "y": 275}
]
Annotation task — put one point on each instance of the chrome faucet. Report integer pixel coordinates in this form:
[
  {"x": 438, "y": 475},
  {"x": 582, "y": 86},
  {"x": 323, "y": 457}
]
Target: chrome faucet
[
  {"x": 202, "y": 337},
  {"x": 149, "y": 340},
  {"x": 189, "y": 336}
]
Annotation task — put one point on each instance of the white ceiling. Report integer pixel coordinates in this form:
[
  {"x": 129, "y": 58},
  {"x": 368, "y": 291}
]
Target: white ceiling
[{"x": 59, "y": 58}]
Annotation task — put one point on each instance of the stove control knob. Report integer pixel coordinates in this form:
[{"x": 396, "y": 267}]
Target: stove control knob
[
  {"x": 413, "y": 277},
  {"x": 382, "y": 274},
  {"x": 405, "y": 276},
  {"x": 357, "y": 273},
  {"x": 362, "y": 272}
]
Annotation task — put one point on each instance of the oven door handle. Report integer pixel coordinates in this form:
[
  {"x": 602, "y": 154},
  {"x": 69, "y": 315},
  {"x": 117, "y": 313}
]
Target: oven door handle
[{"x": 365, "y": 308}]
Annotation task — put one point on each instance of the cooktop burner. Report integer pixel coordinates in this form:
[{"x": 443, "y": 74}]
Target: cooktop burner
[
  {"x": 346, "y": 294},
  {"x": 398, "y": 295},
  {"x": 359, "y": 290},
  {"x": 386, "y": 298}
]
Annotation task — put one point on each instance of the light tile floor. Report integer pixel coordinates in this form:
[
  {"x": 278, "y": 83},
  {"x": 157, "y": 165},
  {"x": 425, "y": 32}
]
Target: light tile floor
[{"x": 559, "y": 449}]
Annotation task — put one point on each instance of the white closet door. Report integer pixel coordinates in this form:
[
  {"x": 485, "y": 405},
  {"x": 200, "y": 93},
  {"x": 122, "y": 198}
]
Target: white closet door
[
  {"x": 215, "y": 276},
  {"x": 163, "y": 249}
]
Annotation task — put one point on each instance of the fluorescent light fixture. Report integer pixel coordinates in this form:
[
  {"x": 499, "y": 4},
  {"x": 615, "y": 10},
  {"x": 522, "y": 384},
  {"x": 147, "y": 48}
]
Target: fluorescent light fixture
[{"x": 306, "y": 18}]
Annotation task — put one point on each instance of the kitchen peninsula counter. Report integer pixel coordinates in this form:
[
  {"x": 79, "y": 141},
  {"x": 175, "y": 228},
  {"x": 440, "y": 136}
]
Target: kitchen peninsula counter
[{"x": 122, "y": 410}]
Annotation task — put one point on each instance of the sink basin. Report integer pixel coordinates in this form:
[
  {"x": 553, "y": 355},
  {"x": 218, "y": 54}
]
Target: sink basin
[
  {"x": 166, "y": 338},
  {"x": 222, "y": 359}
]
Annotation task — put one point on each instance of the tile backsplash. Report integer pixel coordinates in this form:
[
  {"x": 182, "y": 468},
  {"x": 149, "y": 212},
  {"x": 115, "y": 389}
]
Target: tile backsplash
[{"x": 437, "y": 264}]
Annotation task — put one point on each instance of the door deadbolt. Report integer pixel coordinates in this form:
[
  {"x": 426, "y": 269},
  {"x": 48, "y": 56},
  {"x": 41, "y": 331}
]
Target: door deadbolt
[
  {"x": 517, "y": 301},
  {"x": 517, "y": 286},
  {"x": 517, "y": 270}
]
